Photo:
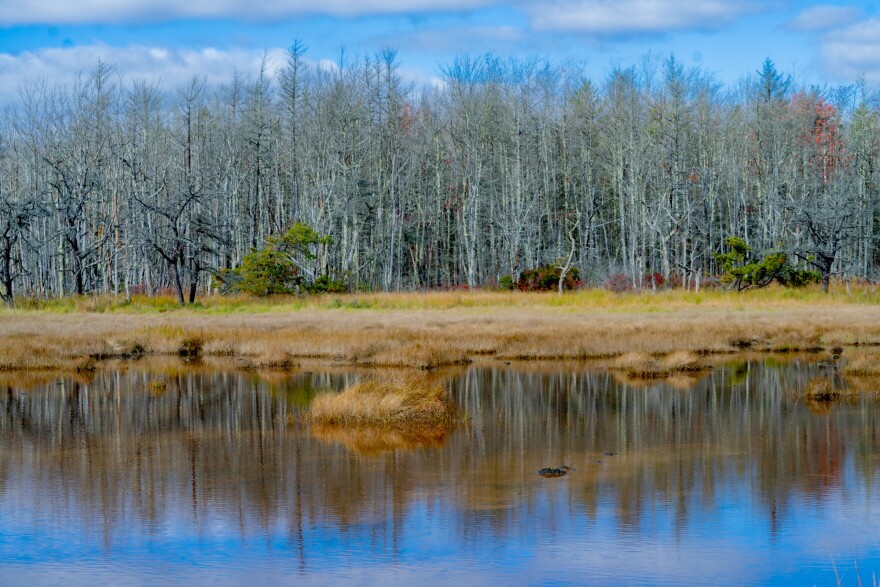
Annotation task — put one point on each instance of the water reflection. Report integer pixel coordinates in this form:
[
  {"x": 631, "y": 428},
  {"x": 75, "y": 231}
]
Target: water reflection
[
  {"x": 368, "y": 440},
  {"x": 733, "y": 477}
]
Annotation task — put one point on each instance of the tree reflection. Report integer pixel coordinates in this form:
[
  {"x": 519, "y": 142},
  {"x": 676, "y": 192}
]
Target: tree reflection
[{"x": 217, "y": 449}]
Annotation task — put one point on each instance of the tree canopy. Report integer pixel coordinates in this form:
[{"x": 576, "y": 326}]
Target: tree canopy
[{"x": 118, "y": 186}]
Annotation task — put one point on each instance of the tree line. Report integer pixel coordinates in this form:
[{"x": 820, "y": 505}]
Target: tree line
[{"x": 115, "y": 186}]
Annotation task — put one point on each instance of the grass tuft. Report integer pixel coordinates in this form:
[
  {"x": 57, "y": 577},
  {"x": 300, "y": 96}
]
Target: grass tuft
[
  {"x": 644, "y": 366},
  {"x": 191, "y": 347},
  {"x": 269, "y": 361},
  {"x": 401, "y": 401},
  {"x": 821, "y": 389},
  {"x": 87, "y": 365}
]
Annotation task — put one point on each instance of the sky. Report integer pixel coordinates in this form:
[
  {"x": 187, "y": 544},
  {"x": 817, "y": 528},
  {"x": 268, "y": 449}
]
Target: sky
[{"x": 169, "y": 41}]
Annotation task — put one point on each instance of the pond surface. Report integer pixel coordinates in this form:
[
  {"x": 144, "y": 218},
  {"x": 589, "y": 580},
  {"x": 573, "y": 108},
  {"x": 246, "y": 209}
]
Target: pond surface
[{"x": 208, "y": 477}]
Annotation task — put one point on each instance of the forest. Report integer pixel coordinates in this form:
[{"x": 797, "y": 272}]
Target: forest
[{"x": 656, "y": 174}]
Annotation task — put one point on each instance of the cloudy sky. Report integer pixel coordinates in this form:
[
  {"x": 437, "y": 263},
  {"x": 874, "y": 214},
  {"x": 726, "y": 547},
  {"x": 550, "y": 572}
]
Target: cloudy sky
[{"x": 170, "y": 40}]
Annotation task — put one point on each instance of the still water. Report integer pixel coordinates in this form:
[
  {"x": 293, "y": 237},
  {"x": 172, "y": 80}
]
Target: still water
[{"x": 199, "y": 476}]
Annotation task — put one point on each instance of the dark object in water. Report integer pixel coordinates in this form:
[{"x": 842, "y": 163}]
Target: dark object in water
[
  {"x": 608, "y": 454},
  {"x": 550, "y": 472}
]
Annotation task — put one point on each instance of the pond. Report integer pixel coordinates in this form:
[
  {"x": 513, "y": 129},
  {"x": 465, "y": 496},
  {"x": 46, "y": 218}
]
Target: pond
[{"x": 196, "y": 475}]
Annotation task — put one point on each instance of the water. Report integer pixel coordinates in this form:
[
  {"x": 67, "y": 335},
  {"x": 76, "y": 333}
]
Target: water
[{"x": 200, "y": 476}]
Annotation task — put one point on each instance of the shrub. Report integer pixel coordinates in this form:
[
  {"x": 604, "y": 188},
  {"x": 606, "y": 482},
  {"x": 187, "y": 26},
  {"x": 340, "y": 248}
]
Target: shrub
[
  {"x": 618, "y": 283},
  {"x": 653, "y": 280},
  {"x": 743, "y": 270},
  {"x": 266, "y": 272},
  {"x": 506, "y": 283},
  {"x": 277, "y": 268},
  {"x": 546, "y": 278},
  {"x": 324, "y": 284},
  {"x": 136, "y": 351}
]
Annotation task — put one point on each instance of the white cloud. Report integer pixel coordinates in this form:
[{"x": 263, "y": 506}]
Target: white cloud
[
  {"x": 462, "y": 39},
  {"x": 170, "y": 67},
  {"x": 824, "y": 17},
  {"x": 116, "y": 11},
  {"x": 620, "y": 17},
  {"x": 853, "y": 51}
]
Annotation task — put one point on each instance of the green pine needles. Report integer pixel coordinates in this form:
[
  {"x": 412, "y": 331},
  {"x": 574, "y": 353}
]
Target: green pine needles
[
  {"x": 285, "y": 265},
  {"x": 744, "y": 270}
]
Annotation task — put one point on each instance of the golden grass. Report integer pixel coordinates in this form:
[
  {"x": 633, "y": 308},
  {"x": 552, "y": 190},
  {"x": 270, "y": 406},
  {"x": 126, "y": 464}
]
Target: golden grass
[
  {"x": 644, "y": 366},
  {"x": 864, "y": 384},
  {"x": 821, "y": 389},
  {"x": 372, "y": 440},
  {"x": 678, "y": 381},
  {"x": 268, "y": 361},
  {"x": 401, "y": 401},
  {"x": 863, "y": 365},
  {"x": 418, "y": 355},
  {"x": 642, "y": 301},
  {"x": 431, "y": 330}
]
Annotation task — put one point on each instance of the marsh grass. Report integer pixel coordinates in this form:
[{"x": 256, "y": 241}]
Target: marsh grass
[
  {"x": 268, "y": 361},
  {"x": 832, "y": 389},
  {"x": 821, "y": 389},
  {"x": 418, "y": 355},
  {"x": 397, "y": 401},
  {"x": 433, "y": 330},
  {"x": 865, "y": 385},
  {"x": 644, "y": 366},
  {"x": 584, "y": 299},
  {"x": 863, "y": 365}
]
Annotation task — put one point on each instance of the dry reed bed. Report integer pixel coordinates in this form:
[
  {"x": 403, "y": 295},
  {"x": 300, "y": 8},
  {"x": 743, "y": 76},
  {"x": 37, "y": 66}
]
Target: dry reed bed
[
  {"x": 644, "y": 366},
  {"x": 431, "y": 338},
  {"x": 848, "y": 376},
  {"x": 401, "y": 402},
  {"x": 864, "y": 365}
]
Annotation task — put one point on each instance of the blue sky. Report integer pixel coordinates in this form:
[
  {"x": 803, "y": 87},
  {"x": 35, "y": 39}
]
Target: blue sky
[{"x": 171, "y": 40}]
